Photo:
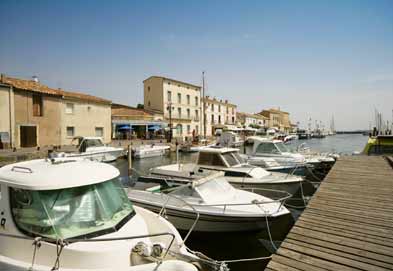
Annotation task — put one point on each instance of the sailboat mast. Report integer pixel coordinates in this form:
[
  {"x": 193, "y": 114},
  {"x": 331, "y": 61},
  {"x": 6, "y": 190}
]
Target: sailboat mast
[{"x": 203, "y": 105}]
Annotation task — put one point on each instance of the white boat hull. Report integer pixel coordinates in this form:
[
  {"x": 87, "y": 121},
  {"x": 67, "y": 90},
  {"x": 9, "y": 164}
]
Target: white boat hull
[
  {"x": 183, "y": 220},
  {"x": 100, "y": 156}
]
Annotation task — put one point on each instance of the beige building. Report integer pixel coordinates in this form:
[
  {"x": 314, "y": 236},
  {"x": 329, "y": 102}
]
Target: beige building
[
  {"x": 36, "y": 115},
  {"x": 219, "y": 114},
  {"x": 252, "y": 120},
  {"x": 277, "y": 119},
  {"x": 179, "y": 102}
]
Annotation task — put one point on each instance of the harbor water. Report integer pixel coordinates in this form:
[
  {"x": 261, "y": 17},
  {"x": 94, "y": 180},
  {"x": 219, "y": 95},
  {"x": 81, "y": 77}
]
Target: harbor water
[{"x": 233, "y": 246}]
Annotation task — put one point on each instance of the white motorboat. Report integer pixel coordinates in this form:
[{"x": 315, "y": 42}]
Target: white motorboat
[
  {"x": 241, "y": 174},
  {"x": 153, "y": 150},
  {"x": 236, "y": 171},
  {"x": 230, "y": 139},
  {"x": 217, "y": 206},
  {"x": 94, "y": 149},
  {"x": 75, "y": 215},
  {"x": 273, "y": 155}
]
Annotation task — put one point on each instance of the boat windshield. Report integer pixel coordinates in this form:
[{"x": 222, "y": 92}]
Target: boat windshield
[
  {"x": 230, "y": 158},
  {"x": 282, "y": 147},
  {"x": 87, "y": 211},
  {"x": 239, "y": 158},
  {"x": 215, "y": 191}
]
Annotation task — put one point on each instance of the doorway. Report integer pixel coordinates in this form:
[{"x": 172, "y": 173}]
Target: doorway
[{"x": 28, "y": 136}]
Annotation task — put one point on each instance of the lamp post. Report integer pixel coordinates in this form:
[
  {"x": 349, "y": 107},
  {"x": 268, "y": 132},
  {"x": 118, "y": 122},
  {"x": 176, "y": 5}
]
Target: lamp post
[{"x": 169, "y": 108}]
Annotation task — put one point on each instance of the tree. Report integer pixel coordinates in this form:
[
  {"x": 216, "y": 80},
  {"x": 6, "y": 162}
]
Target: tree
[{"x": 140, "y": 106}]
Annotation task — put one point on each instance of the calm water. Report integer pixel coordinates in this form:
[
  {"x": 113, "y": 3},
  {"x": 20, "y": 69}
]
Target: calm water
[{"x": 247, "y": 245}]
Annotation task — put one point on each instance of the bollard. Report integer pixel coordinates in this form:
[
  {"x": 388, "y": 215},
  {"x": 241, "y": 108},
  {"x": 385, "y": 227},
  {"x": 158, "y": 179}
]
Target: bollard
[{"x": 129, "y": 158}]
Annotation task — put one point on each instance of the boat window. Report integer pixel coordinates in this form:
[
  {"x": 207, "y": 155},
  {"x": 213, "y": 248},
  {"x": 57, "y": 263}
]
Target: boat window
[
  {"x": 72, "y": 212},
  {"x": 87, "y": 143},
  {"x": 210, "y": 159},
  {"x": 236, "y": 174},
  {"x": 239, "y": 158},
  {"x": 267, "y": 148},
  {"x": 282, "y": 147},
  {"x": 231, "y": 160}
]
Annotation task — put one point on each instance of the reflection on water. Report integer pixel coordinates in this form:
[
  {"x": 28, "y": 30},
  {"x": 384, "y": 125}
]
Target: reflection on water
[{"x": 231, "y": 246}]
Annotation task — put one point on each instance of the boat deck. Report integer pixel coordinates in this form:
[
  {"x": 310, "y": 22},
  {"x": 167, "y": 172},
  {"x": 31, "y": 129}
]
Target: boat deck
[{"x": 348, "y": 224}]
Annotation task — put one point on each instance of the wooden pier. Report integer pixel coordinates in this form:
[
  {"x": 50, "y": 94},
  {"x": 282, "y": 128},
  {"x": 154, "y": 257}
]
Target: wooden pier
[{"x": 347, "y": 225}]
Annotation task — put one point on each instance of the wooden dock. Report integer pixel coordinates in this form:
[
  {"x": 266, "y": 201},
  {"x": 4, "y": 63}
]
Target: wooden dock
[{"x": 347, "y": 225}]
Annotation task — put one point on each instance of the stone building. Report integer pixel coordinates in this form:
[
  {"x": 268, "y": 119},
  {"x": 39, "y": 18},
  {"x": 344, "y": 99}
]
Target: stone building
[
  {"x": 277, "y": 119},
  {"x": 179, "y": 102},
  {"x": 33, "y": 114},
  {"x": 219, "y": 114}
]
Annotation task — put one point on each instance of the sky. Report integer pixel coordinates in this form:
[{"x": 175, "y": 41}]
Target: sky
[{"x": 314, "y": 59}]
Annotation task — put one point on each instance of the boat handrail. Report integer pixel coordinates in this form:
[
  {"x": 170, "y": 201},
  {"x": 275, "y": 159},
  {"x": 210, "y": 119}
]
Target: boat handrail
[
  {"x": 162, "y": 211},
  {"x": 254, "y": 202},
  {"x": 24, "y": 169}
]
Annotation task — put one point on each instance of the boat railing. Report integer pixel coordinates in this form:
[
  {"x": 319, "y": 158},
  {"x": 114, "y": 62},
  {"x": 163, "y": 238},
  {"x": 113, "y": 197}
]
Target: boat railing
[
  {"x": 169, "y": 197},
  {"x": 62, "y": 243},
  {"x": 280, "y": 200}
]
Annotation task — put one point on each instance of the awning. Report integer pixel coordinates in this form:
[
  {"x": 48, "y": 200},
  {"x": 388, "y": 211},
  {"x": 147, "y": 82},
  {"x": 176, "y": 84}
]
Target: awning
[{"x": 154, "y": 127}]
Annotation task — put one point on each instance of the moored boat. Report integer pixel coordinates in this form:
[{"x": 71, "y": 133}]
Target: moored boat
[
  {"x": 217, "y": 206},
  {"x": 73, "y": 214}
]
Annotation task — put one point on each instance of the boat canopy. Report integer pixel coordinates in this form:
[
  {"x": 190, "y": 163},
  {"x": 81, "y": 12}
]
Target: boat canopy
[{"x": 56, "y": 173}]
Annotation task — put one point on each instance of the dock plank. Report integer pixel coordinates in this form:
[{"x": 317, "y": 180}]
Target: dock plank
[{"x": 348, "y": 223}]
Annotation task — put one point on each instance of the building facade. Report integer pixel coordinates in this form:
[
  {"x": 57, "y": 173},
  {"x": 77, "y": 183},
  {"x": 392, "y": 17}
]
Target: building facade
[
  {"x": 36, "y": 115},
  {"x": 219, "y": 114},
  {"x": 179, "y": 102},
  {"x": 277, "y": 119},
  {"x": 252, "y": 120}
]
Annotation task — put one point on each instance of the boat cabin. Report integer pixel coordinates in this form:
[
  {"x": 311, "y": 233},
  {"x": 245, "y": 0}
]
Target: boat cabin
[
  {"x": 83, "y": 143},
  {"x": 220, "y": 157},
  {"x": 269, "y": 147},
  {"x": 230, "y": 161},
  {"x": 62, "y": 198}
]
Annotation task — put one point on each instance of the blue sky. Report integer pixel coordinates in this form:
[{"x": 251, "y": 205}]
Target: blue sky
[{"x": 311, "y": 58}]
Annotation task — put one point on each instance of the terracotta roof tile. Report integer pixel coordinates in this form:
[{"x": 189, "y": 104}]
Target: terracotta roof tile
[{"x": 33, "y": 86}]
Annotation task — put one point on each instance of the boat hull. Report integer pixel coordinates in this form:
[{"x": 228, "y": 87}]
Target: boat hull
[{"x": 183, "y": 220}]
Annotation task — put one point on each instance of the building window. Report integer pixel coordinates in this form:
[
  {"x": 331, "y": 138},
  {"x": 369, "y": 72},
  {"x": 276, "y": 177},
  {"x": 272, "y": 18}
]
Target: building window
[
  {"x": 188, "y": 113},
  {"x": 148, "y": 89},
  {"x": 69, "y": 108},
  {"x": 197, "y": 129},
  {"x": 227, "y": 110},
  {"x": 37, "y": 105},
  {"x": 188, "y": 99},
  {"x": 233, "y": 111},
  {"x": 169, "y": 94},
  {"x": 179, "y": 98},
  {"x": 179, "y": 129},
  {"x": 148, "y": 103},
  {"x": 227, "y": 119},
  {"x": 196, "y": 114},
  {"x": 196, "y": 101},
  {"x": 179, "y": 112},
  {"x": 100, "y": 131},
  {"x": 233, "y": 119},
  {"x": 212, "y": 107},
  {"x": 219, "y": 108},
  {"x": 219, "y": 119},
  {"x": 70, "y": 131},
  {"x": 188, "y": 129},
  {"x": 212, "y": 119}
]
